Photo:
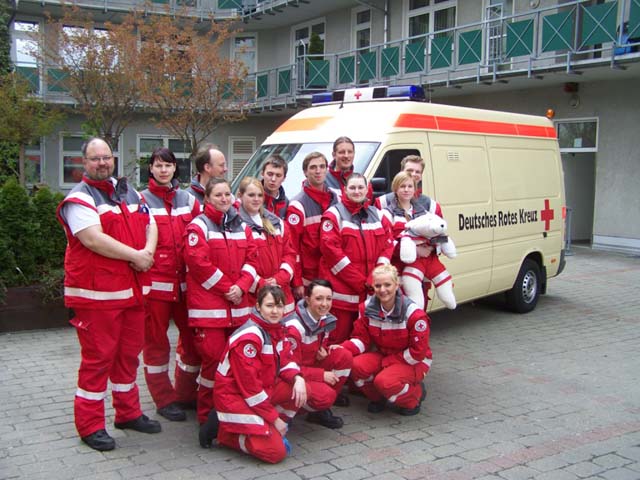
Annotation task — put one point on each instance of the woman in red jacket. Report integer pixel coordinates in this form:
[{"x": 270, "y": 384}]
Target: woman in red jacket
[
  {"x": 258, "y": 385},
  {"x": 221, "y": 259},
  {"x": 390, "y": 347},
  {"x": 356, "y": 237},
  {"x": 172, "y": 209},
  {"x": 276, "y": 256}
]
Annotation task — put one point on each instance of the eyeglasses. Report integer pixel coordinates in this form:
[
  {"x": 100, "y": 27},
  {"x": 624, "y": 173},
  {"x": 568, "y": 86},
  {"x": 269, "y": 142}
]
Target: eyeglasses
[{"x": 105, "y": 158}]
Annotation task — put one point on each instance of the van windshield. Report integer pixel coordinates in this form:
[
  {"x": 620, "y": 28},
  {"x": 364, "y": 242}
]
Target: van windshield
[{"x": 294, "y": 154}]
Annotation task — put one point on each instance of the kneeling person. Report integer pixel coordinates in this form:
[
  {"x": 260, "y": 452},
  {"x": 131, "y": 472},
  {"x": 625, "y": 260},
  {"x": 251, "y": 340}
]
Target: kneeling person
[
  {"x": 325, "y": 371},
  {"x": 259, "y": 387},
  {"x": 390, "y": 344}
]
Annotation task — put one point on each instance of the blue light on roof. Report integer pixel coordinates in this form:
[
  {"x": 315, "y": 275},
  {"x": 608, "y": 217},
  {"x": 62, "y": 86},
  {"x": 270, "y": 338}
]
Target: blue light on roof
[{"x": 355, "y": 95}]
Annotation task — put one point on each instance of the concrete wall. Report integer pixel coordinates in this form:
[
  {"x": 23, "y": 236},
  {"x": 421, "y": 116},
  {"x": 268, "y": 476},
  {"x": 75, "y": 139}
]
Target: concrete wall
[{"x": 616, "y": 104}]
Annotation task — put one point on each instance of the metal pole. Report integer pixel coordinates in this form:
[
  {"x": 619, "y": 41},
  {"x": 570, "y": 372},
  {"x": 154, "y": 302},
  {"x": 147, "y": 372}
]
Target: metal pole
[{"x": 567, "y": 234}]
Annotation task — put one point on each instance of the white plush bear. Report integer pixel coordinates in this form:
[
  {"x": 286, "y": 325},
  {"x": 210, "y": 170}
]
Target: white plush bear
[{"x": 430, "y": 230}]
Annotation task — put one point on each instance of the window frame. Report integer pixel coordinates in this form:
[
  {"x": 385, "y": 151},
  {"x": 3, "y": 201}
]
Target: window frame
[
  {"x": 165, "y": 143},
  {"x": 308, "y": 24},
  {"x": 78, "y": 153},
  {"x": 430, "y": 10},
  {"x": 595, "y": 120},
  {"x": 235, "y": 50},
  {"x": 357, "y": 27}
]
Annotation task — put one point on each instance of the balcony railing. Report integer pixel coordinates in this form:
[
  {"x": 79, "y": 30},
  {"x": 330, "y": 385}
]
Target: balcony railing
[
  {"x": 565, "y": 37},
  {"x": 568, "y": 38},
  {"x": 199, "y": 8}
]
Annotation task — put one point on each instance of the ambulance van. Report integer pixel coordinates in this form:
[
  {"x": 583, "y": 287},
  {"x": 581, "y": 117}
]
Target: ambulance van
[{"x": 498, "y": 177}]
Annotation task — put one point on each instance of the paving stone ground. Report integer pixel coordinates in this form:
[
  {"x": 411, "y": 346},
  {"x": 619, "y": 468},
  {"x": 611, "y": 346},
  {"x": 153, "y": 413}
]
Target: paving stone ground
[{"x": 554, "y": 394}]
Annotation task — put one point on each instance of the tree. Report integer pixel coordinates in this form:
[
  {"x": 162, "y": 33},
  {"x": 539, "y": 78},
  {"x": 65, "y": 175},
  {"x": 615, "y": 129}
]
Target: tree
[
  {"x": 5, "y": 40},
  {"x": 190, "y": 87},
  {"x": 99, "y": 67},
  {"x": 23, "y": 117}
]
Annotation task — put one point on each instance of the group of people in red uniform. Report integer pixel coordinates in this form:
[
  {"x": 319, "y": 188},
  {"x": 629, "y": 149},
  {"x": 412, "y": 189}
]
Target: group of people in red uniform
[{"x": 278, "y": 303}]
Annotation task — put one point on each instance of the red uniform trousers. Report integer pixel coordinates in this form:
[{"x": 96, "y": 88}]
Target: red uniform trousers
[
  {"x": 157, "y": 350},
  {"x": 210, "y": 344},
  {"x": 321, "y": 395},
  {"x": 344, "y": 325},
  {"x": 268, "y": 448},
  {"x": 110, "y": 343},
  {"x": 398, "y": 383}
]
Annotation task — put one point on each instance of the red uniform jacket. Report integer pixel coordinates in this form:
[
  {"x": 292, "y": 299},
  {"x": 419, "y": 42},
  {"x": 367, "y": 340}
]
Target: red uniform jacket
[
  {"x": 355, "y": 239},
  {"x": 92, "y": 280},
  {"x": 257, "y": 355},
  {"x": 307, "y": 336},
  {"x": 219, "y": 252},
  {"x": 303, "y": 217},
  {"x": 276, "y": 257},
  {"x": 173, "y": 210},
  {"x": 402, "y": 336}
]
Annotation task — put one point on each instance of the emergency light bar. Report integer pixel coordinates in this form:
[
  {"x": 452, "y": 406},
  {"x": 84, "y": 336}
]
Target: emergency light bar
[{"x": 351, "y": 95}]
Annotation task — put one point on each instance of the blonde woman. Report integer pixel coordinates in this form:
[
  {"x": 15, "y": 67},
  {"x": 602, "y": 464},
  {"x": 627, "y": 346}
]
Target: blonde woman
[{"x": 276, "y": 257}]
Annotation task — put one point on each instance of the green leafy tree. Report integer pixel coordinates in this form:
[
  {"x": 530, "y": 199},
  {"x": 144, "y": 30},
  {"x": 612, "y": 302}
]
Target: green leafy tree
[
  {"x": 23, "y": 117},
  {"x": 5, "y": 38}
]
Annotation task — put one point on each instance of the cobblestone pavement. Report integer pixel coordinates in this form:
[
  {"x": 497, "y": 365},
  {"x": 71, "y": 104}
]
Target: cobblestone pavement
[{"x": 554, "y": 394}]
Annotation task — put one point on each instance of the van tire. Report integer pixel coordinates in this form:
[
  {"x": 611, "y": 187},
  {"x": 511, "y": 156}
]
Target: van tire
[{"x": 523, "y": 296}]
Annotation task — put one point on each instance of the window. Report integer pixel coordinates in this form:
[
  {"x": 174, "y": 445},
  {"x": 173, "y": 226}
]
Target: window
[
  {"x": 24, "y": 43},
  {"x": 579, "y": 135},
  {"x": 308, "y": 39},
  {"x": 495, "y": 12},
  {"x": 240, "y": 150},
  {"x": 71, "y": 153},
  {"x": 245, "y": 50},
  {"x": 182, "y": 151},
  {"x": 33, "y": 163},
  {"x": 427, "y": 16},
  {"x": 390, "y": 164},
  {"x": 23, "y": 52},
  {"x": 79, "y": 41},
  {"x": 361, "y": 28}
]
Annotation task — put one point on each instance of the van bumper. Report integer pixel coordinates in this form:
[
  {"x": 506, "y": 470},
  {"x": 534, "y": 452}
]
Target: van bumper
[{"x": 563, "y": 262}]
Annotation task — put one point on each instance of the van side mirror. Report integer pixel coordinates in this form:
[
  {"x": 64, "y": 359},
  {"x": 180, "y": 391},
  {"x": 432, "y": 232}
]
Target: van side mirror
[{"x": 379, "y": 186}]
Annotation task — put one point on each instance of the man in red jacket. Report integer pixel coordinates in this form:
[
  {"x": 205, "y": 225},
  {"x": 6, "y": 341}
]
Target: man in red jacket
[
  {"x": 304, "y": 215},
  {"x": 111, "y": 242}
]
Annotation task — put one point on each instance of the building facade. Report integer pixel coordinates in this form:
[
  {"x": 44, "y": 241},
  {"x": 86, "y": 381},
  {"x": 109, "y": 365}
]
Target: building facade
[{"x": 578, "y": 58}]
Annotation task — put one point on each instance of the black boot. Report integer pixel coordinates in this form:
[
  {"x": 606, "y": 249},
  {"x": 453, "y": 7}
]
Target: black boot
[
  {"x": 325, "y": 418},
  {"x": 172, "y": 412},
  {"x": 209, "y": 430}
]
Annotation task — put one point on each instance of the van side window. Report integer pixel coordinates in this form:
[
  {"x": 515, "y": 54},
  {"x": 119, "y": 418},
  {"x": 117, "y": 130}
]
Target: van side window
[{"x": 390, "y": 164}]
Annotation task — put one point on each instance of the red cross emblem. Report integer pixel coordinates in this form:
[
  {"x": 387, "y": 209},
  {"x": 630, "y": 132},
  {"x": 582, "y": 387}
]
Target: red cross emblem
[
  {"x": 547, "y": 215},
  {"x": 357, "y": 95},
  {"x": 250, "y": 351}
]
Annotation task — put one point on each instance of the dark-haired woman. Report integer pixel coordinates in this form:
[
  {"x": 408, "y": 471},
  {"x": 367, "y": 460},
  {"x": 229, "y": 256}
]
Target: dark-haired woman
[
  {"x": 258, "y": 385},
  {"x": 221, "y": 258},
  {"x": 324, "y": 371},
  {"x": 276, "y": 257},
  {"x": 355, "y": 238},
  {"x": 173, "y": 209}
]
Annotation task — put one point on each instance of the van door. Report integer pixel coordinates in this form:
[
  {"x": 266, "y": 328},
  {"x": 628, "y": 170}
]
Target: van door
[{"x": 461, "y": 182}]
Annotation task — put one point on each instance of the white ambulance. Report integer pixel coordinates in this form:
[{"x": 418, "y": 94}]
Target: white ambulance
[{"x": 498, "y": 177}]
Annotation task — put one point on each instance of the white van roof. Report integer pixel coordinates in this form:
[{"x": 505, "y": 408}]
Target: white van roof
[{"x": 369, "y": 120}]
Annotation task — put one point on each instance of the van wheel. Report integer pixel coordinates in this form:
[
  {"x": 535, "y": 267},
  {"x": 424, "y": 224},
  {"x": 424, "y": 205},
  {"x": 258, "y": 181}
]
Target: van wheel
[{"x": 523, "y": 296}]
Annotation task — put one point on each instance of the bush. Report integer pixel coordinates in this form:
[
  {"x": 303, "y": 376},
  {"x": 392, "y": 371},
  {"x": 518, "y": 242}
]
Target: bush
[{"x": 32, "y": 243}]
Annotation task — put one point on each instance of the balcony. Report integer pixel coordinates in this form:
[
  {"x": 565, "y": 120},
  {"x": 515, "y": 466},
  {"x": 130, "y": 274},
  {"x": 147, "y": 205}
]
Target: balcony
[
  {"x": 568, "y": 38},
  {"x": 203, "y": 9}
]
